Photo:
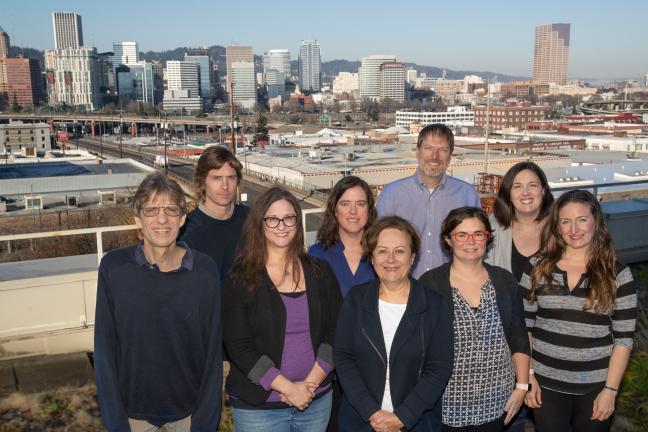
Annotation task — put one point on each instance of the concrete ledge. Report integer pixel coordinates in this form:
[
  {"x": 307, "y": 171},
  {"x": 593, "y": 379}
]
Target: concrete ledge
[{"x": 36, "y": 374}]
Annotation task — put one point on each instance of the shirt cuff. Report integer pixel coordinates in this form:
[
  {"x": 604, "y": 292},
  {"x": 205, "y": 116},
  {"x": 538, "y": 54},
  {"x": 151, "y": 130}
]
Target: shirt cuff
[
  {"x": 268, "y": 377},
  {"x": 326, "y": 366}
]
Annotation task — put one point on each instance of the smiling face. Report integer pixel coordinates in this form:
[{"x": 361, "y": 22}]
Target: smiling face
[
  {"x": 469, "y": 249},
  {"x": 526, "y": 193},
  {"x": 433, "y": 158},
  {"x": 280, "y": 236},
  {"x": 576, "y": 225},
  {"x": 220, "y": 187},
  {"x": 392, "y": 257},
  {"x": 352, "y": 210},
  {"x": 161, "y": 230}
]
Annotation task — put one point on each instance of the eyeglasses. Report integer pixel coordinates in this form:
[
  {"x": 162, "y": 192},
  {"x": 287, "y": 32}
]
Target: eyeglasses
[
  {"x": 169, "y": 210},
  {"x": 273, "y": 222},
  {"x": 478, "y": 236}
]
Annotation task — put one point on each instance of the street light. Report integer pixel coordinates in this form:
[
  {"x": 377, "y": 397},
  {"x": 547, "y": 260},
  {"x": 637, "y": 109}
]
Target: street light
[{"x": 166, "y": 162}]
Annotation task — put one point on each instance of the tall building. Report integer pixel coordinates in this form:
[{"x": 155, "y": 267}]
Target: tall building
[
  {"x": 369, "y": 74},
  {"x": 68, "y": 32},
  {"x": 136, "y": 82},
  {"x": 183, "y": 87},
  {"x": 346, "y": 82},
  {"x": 392, "y": 81},
  {"x": 158, "y": 82},
  {"x": 237, "y": 53},
  {"x": 243, "y": 85},
  {"x": 551, "y": 53},
  {"x": 20, "y": 78},
  {"x": 125, "y": 53},
  {"x": 310, "y": 66},
  {"x": 4, "y": 43},
  {"x": 74, "y": 77},
  {"x": 200, "y": 56},
  {"x": 277, "y": 59}
]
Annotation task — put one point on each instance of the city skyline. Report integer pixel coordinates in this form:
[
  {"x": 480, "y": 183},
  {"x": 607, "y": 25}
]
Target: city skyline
[{"x": 351, "y": 31}]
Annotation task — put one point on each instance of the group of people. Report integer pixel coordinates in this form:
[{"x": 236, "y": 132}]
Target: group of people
[{"x": 418, "y": 312}]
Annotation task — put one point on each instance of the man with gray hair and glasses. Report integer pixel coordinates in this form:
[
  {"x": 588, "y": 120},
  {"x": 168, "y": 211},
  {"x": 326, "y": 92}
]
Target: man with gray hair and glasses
[{"x": 157, "y": 335}]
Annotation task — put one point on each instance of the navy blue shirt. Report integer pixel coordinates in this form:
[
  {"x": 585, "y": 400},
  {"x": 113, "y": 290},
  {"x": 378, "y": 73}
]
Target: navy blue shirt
[
  {"x": 335, "y": 257},
  {"x": 157, "y": 341}
]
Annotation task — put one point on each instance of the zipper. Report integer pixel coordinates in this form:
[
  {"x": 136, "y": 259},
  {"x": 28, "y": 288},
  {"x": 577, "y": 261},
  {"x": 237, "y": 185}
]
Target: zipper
[
  {"x": 422, "y": 348},
  {"x": 375, "y": 348}
]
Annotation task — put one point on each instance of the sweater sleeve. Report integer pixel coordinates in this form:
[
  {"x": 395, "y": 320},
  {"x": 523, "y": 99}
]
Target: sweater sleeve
[
  {"x": 333, "y": 298},
  {"x": 624, "y": 317},
  {"x": 239, "y": 337},
  {"x": 113, "y": 411},
  {"x": 435, "y": 373},
  {"x": 348, "y": 369},
  {"x": 207, "y": 413}
]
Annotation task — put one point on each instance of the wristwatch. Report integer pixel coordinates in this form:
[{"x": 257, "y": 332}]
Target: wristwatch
[{"x": 525, "y": 387}]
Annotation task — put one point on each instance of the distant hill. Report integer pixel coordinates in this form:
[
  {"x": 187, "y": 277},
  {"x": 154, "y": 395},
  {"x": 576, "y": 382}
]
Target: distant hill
[{"x": 329, "y": 68}]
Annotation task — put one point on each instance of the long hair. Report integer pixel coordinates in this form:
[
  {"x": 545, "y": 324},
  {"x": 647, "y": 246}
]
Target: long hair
[
  {"x": 213, "y": 157},
  {"x": 252, "y": 254},
  {"x": 329, "y": 232},
  {"x": 503, "y": 208},
  {"x": 601, "y": 261}
]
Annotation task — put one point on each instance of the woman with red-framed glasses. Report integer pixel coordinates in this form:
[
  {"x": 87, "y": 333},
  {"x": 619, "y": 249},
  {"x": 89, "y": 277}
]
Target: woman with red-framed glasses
[{"x": 490, "y": 376}]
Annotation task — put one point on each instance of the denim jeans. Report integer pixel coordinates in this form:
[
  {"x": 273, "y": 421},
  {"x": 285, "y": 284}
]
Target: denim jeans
[{"x": 312, "y": 419}]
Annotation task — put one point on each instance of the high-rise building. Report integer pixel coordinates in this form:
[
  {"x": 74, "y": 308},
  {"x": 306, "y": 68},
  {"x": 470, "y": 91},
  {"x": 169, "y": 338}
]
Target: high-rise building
[
  {"x": 237, "y": 53},
  {"x": 243, "y": 85},
  {"x": 551, "y": 53},
  {"x": 346, "y": 82},
  {"x": 135, "y": 82},
  {"x": 183, "y": 76},
  {"x": 369, "y": 74},
  {"x": 310, "y": 66},
  {"x": 125, "y": 53},
  {"x": 68, "y": 32},
  {"x": 411, "y": 75},
  {"x": 20, "y": 78},
  {"x": 278, "y": 59},
  {"x": 4, "y": 43},
  {"x": 158, "y": 82},
  {"x": 392, "y": 81},
  {"x": 200, "y": 56},
  {"x": 74, "y": 77}
]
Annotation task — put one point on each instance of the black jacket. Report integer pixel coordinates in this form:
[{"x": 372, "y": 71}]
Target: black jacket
[
  {"x": 420, "y": 358},
  {"x": 509, "y": 301},
  {"x": 254, "y": 328}
]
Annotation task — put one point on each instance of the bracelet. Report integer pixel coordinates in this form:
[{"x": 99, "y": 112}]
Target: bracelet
[
  {"x": 531, "y": 371},
  {"x": 615, "y": 390}
]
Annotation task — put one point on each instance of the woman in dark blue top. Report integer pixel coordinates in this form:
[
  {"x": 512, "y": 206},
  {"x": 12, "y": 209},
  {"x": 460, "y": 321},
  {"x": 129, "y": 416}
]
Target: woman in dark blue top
[{"x": 349, "y": 212}]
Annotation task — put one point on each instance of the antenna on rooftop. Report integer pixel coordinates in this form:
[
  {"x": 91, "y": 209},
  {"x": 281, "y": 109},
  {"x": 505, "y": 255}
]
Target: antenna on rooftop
[{"x": 488, "y": 109}]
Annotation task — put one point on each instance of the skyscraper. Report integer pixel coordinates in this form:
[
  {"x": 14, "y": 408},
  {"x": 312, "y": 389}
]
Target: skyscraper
[
  {"x": 200, "y": 56},
  {"x": 4, "y": 43},
  {"x": 68, "y": 32},
  {"x": 551, "y": 53},
  {"x": 75, "y": 77},
  {"x": 125, "y": 53},
  {"x": 369, "y": 73},
  {"x": 237, "y": 53},
  {"x": 20, "y": 78},
  {"x": 277, "y": 59},
  {"x": 392, "y": 81},
  {"x": 310, "y": 65},
  {"x": 183, "y": 76},
  {"x": 243, "y": 84}
]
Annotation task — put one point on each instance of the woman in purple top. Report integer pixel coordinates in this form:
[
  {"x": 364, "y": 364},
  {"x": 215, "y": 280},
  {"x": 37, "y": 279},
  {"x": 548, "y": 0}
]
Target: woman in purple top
[
  {"x": 279, "y": 314},
  {"x": 350, "y": 211}
]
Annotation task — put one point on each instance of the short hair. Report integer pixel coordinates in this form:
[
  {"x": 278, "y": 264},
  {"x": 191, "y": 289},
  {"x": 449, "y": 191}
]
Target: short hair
[
  {"x": 329, "y": 232},
  {"x": 156, "y": 184},
  {"x": 213, "y": 157},
  {"x": 371, "y": 236},
  {"x": 456, "y": 217},
  {"x": 504, "y": 210},
  {"x": 436, "y": 129}
]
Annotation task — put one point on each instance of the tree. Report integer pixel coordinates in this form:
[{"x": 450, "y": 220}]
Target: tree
[
  {"x": 4, "y": 101},
  {"x": 261, "y": 131},
  {"x": 14, "y": 106}
]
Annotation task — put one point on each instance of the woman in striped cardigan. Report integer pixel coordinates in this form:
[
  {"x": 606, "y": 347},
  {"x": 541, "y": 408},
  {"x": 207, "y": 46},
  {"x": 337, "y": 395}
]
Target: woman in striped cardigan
[{"x": 580, "y": 312}]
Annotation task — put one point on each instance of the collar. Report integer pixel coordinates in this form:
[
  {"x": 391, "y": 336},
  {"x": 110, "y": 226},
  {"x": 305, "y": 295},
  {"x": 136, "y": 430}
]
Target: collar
[
  {"x": 186, "y": 264},
  {"x": 203, "y": 208},
  {"x": 416, "y": 302},
  {"x": 422, "y": 184}
]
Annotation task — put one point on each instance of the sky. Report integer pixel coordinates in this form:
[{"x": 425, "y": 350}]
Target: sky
[{"x": 608, "y": 40}]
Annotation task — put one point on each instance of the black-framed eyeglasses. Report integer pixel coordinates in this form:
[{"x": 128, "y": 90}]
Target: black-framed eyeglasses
[
  {"x": 273, "y": 222},
  {"x": 477, "y": 236},
  {"x": 154, "y": 210}
]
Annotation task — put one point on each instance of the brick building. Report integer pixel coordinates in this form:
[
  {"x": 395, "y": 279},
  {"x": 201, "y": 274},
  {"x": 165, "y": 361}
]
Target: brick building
[{"x": 517, "y": 116}]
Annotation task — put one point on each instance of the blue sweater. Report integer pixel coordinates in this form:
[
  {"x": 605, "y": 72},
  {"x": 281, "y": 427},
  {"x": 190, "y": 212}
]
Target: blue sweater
[
  {"x": 335, "y": 257},
  {"x": 158, "y": 341}
]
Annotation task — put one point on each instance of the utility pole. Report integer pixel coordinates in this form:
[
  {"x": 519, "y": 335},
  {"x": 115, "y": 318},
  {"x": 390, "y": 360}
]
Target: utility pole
[
  {"x": 121, "y": 152},
  {"x": 231, "y": 98},
  {"x": 166, "y": 162},
  {"x": 488, "y": 110}
]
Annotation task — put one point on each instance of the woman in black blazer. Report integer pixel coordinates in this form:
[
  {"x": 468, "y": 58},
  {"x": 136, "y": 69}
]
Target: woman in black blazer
[{"x": 393, "y": 345}]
